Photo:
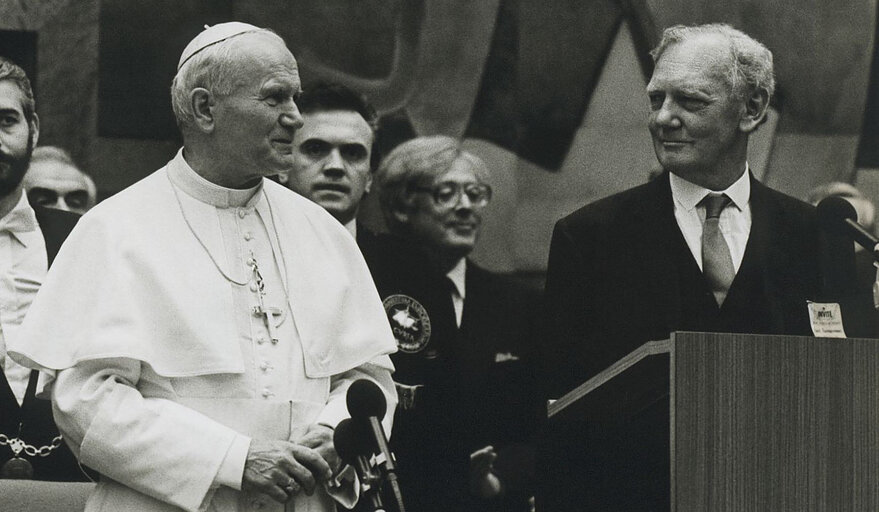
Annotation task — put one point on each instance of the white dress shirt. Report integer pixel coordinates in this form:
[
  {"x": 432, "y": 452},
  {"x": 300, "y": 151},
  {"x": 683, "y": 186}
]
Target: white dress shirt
[
  {"x": 735, "y": 219},
  {"x": 458, "y": 276},
  {"x": 22, "y": 270},
  {"x": 351, "y": 226}
]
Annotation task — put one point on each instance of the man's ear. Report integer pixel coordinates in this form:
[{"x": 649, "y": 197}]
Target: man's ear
[
  {"x": 754, "y": 111},
  {"x": 368, "y": 186},
  {"x": 202, "y": 102},
  {"x": 35, "y": 129},
  {"x": 283, "y": 177}
]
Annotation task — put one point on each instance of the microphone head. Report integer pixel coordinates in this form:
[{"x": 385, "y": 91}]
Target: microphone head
[
  {"x": 350, "y": 441},
  {"x": 366, "y": 400},
  {"x": 833, "y": 211}
]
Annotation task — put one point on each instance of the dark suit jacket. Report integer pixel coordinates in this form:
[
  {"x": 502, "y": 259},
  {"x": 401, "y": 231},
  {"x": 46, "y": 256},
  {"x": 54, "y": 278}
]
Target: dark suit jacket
[
  {"x": 498, "y": 327},
  {"x": 468, "y": 400},
  {"x": 621, "y": 274},
  {"x": 35, "y": 415}
]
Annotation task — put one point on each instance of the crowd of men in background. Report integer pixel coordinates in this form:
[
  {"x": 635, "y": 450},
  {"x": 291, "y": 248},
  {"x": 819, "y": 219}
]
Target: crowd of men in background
[{"x": 292, "y": 314}]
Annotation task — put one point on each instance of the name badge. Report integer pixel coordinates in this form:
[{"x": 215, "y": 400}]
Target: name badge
[{"x": 826, "y": 320}]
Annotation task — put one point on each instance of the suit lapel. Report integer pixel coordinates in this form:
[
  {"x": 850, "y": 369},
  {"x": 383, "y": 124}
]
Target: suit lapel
[
  {"x": 472, "y": 299},
  {"x": 657, "y": 237},
  {"x": 761, "y": 255}
]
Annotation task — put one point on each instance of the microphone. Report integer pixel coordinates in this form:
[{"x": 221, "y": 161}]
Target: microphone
[
  {"x": 367, "y": 406},
  {"x": 353, "y": 446},
  {"x": 838, "y": 216}
]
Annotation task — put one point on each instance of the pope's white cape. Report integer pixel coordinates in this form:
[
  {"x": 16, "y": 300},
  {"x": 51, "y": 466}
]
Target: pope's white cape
[{"x": 132, "y": 281}]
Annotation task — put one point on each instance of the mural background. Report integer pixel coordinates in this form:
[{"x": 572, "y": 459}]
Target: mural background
[{"x": 550, "y": 93}]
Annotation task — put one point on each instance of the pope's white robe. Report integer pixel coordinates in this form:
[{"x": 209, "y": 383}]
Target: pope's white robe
[{"x": 161, "y": 373}]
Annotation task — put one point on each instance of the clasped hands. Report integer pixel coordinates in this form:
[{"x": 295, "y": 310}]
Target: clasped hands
[{"x": 283, "y": 469}]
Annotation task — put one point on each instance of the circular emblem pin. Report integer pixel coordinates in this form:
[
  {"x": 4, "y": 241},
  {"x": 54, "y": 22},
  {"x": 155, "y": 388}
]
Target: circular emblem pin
[{"x": 409, "y": 322}]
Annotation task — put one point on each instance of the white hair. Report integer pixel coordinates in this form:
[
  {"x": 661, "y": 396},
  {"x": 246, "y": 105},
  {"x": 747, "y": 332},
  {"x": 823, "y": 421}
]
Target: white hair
[
  {"x": 215, "y": 68},
  {"x": 750, "y": 67}
]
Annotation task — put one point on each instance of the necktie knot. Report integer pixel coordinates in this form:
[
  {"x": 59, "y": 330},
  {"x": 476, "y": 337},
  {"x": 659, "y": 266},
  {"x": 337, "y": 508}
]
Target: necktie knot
[{"x": 714, "y": 204}]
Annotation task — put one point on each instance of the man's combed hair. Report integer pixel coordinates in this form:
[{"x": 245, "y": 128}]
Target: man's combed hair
[
  {"x": 418, "y": 162},
  {"x": 325, "y": 96},
  {"x": 751, "y": 66},
  {"x": 13, "y": 73},
  {"x": 214, "y": 68},
  {"x": 53, "y": 154}
]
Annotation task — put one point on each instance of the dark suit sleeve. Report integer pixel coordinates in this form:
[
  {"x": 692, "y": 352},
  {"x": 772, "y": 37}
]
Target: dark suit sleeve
[
  {"x": 566, "y": 313},
  {"x": 55, "y": 225}
]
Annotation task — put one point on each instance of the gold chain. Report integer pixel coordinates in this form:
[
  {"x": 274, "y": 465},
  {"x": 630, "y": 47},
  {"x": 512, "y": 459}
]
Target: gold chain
[{"x": 18, "y": 445}]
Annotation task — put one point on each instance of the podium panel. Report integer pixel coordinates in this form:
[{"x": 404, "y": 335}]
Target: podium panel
[{"x": 720, "y": 422}]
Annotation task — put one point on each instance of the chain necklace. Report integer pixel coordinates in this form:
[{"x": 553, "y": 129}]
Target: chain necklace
[
  {"x": 18, "y": 467},
  {"x": 202, "y": 244},
  {"x": 18, "y": 445},
  {"x": 251, "y": 262}
]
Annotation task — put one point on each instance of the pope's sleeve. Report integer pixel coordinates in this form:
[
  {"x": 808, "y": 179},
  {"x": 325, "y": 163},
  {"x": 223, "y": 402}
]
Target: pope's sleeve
[
  {"x": 337, "y": 408},
  {"x": 152, "y": 445}
]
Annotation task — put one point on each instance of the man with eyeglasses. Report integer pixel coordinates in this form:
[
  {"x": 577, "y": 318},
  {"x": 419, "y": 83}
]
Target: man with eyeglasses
[
  {"x": 464, "y": 417},
  {"x": 53, "y": 180}
]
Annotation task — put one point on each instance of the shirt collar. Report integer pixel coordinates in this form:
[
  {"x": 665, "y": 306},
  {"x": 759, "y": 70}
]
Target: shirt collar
[
  {"x": 688, "y": 195},
  {"x": 195, "y": 185},
  {"x": 351, "y": 226},
  {"x": 457, "y": 276},
  {"x": 21, "y": 219}
]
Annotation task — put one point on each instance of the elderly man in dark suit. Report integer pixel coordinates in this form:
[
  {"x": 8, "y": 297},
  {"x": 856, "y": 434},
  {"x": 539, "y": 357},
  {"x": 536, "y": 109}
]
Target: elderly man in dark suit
[
  {"x": 703, "y": 247},
  {"x": 30, "y": 446},
  {"x": 463, "y": 370}
]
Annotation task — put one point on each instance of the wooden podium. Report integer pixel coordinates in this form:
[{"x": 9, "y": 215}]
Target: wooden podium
[{"x": 720, "y": 422}]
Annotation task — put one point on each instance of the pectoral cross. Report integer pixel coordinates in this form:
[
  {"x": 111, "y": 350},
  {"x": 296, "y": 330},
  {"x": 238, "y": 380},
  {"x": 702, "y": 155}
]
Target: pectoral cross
[{"x": 267, "y": 312}]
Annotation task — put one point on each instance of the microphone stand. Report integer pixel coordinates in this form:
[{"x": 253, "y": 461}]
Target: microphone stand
[{"x": 876, "y": 285}]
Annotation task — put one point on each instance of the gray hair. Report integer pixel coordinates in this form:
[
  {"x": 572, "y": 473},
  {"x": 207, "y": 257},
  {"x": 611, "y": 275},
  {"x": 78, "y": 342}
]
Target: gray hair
[
  {"x": 750, "y": 67},
  {"x": 215, "y": 68},
  {"x": 418, "y": 162}
]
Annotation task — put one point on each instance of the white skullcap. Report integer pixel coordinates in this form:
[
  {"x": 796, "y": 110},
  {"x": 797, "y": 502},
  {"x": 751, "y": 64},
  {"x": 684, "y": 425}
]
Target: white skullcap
[{"x": 213, "y": 35}]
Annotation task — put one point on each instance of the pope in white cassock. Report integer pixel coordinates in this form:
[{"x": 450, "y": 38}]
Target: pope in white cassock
[{"x": 199, "y": 330}]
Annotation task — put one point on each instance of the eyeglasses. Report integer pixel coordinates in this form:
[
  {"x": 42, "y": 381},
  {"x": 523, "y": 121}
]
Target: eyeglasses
[{"x": 448, "y": 193}]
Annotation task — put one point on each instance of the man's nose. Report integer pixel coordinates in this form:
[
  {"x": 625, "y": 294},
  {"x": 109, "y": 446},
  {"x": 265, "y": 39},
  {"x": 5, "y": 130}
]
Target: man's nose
[
  {"x": 292, "y": 118},
  {"x": 464, "y": 202},
  {"x": 60, "y": 204},
  {"x": 334, "y": 163},
  {"x": 666, "y": 115}
]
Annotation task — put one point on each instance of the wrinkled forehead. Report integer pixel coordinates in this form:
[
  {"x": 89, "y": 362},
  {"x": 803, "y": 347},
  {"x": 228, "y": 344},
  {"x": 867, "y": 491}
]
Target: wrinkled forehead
[
  {"x": 698, "y": 62},
  {"x": 466, "y": 168},
  {"x": 53, "y": 174},
  {"x": 262, "y": 55},
  {"x": 336, "y": 125},
  {"x": 263, "y": 46}
]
